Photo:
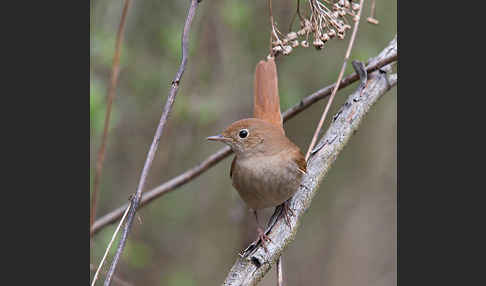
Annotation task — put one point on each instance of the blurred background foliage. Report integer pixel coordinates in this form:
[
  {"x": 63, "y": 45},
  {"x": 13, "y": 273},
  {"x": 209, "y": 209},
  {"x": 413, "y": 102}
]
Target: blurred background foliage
[{"x": 192, "y": 235}]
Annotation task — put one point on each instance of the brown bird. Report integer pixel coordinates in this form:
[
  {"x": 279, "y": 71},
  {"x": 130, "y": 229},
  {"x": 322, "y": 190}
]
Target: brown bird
[{"x": 267, "y": 168}]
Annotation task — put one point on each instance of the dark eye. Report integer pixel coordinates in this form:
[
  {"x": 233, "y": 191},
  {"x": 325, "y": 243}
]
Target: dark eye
[{"x": 243, "y": 133}]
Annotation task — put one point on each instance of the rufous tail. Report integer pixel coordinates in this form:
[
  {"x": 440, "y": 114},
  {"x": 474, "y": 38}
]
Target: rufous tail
[{"x": 266, "y": 102}]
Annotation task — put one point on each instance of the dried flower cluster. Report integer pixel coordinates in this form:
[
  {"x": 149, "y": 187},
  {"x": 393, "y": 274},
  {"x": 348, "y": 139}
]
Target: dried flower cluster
[{"x": 322, "y": 25}]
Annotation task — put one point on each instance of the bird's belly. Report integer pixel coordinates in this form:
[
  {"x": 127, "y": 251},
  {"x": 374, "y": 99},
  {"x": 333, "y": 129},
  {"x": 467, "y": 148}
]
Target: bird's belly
[{"x": 267, "y": 185}]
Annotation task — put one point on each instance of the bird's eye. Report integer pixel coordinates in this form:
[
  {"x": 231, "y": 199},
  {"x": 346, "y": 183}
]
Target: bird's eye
[{"x": 243, "y": 133}]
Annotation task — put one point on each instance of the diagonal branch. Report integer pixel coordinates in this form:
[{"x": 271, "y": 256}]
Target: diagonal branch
[
  {"x": 251, "y": 269},
  {"x": 387, "y": 56},
  {"x": 135, "y": 200}
]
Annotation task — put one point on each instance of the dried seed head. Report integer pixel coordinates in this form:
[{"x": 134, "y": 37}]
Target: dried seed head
[
  {"x": 301, "y": 32},
  {"x": 341, "y": 3},
  {"x": 355, "y": 6},
  {"x": 373, "y": 21},
  {"x": 347, "y": 4},
  {"x": 340, "y": 35},
  {"x": 334, "y": 14},
  {"x": 295, "y": 43},
  {"x": 285, "y": 41},
  {"x": 335, "y": 7},
  {"x": 318, "y": 44},
  {"x": 342, "y": 13},
  {"x": 304, "y": 44},
  {"x": 277, "y": 49},
  {"x": 277, "y": 43},
  {"x": 355, "y": 18},
  {"x": 324, "y": 38},
  {"x": 292, "y": 36},
  {"x": 307, "y": 24},
  {"x": 331, "y": 33},
  {"x": 347, "y": 27},
  {"x": 287, "y": 50}
]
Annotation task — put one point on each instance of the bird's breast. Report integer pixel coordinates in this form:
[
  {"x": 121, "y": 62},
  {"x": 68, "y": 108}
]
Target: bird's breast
[{"x": 266, "y": 181}]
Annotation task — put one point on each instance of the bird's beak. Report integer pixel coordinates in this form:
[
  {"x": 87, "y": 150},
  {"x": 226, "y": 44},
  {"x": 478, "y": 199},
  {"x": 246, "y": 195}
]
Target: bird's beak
[{"x": 218, "y": 137}]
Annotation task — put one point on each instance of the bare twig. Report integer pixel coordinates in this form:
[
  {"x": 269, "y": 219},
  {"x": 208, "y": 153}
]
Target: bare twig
[
  {"x": 135, "y": 200},
  {"x": 165, "y": 188},
  {"x": 371, "y": 19},
  {"x": 341, "y": 73},
  {"x": 115, "y": 278},
  {"x": 279, "y": 272},
  {"x": 252, "y": 268},
  {"x": 272, "y": 24},
  {"x": 383, "y": 59},
  {"x": 115, "y": 70},
  {"x": 109, "y": 247}
]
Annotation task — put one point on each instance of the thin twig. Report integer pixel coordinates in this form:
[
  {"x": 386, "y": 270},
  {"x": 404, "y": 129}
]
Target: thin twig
[
  {"x": 371, "y": 19},
  {"x": 212, "y": 160},
  {"x": 109, "y": 246},
  {"x": 115, "y": 278},
  {"x": 343, "y": 67},
  {"x": 272, "y": 25},
  {"x": 279, "y": 272},
  {"x": 297, "y": 13},
  {"x": 155, "y": 143},
  {"x": 115, "y": 70}
]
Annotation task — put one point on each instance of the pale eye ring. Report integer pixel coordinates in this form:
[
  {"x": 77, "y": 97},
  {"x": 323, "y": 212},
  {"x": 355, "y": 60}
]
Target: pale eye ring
[{"x": 243, "y": 133}]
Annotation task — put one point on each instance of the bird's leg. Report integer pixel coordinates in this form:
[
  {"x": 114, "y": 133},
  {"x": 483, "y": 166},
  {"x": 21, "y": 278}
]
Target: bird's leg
[
  {"x": 261, "y": 233},
  {"x": 282, "y": 210},
  {"x": 262, "y": 236}
]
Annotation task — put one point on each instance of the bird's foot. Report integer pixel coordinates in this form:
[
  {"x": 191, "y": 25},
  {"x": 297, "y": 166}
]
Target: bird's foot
[
  {"x": 282, "y": 210},
  {"x": 286, "y": 211},
  {"x": 261, "y": 238}
]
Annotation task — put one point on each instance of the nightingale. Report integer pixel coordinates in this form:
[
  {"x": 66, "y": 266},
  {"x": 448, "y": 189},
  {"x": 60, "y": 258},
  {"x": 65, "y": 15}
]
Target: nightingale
[{"x": 267, "y": 168}]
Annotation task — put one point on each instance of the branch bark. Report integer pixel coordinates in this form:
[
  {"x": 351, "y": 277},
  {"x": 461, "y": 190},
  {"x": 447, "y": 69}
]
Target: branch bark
[
  {"x": 387, "y": 56},
  {"x": 251, "y": 269},
  {"x": 135, "y": 200}
]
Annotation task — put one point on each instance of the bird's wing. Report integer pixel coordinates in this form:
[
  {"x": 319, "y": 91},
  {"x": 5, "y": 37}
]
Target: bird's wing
[
  {"x": 266, "y": 102},
  {"x": 301, "y": 163}
]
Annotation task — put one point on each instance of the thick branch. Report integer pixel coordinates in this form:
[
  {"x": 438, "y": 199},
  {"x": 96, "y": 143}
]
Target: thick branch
[
  {"x": 251, "y": 269},
  {"x": 387, "y": 56},
  {"x": 155, "y": 143}
]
